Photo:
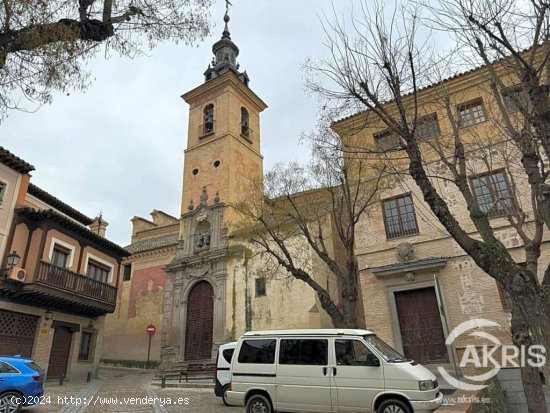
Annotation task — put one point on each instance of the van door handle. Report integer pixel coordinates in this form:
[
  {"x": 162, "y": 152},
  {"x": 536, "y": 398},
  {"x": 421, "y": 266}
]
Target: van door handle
[
  {"x": 324, "y": 371},
  {"x": 334, "y": 371}
]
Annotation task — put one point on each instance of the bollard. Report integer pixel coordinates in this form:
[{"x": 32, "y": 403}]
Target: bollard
[
  {"x": 181, "y": 374},
  {"x": 61, "y": 379},
  {"x": 163, "y": 382},
  {"x": 89, "y": 377}
]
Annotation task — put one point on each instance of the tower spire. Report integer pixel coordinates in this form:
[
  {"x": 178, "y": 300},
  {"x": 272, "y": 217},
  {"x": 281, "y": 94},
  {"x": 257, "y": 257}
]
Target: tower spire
[{"x": 225, "y": 54}]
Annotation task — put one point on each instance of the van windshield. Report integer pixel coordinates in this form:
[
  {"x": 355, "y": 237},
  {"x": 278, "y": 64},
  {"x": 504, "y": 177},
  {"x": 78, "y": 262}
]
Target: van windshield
[{"x": 389, "y": 353}]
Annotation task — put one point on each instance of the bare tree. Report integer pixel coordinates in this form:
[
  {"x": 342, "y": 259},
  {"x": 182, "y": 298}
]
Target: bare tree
[
  {"x": 44, "y": 45},
  {"x": 300, "y": 212},
  {"x": 383, "y": 68}
]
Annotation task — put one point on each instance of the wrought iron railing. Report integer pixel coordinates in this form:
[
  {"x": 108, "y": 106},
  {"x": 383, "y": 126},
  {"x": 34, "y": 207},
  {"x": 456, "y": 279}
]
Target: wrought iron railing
[
  {"x": 207, "y": 128},
  {"x": 67, "y": 280}
]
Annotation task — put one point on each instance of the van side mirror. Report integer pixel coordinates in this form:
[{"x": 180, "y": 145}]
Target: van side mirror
[{"x": 372, "y": 360}]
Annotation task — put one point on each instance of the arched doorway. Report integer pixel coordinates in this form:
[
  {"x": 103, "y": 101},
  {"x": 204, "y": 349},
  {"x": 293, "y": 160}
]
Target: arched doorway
[{"x": 199, "y": 325}]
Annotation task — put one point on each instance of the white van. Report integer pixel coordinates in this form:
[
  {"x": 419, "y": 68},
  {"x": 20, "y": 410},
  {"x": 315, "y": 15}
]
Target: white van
[
  {"x": 327, "y": 371},
  {"x": 223, "y": 364}
]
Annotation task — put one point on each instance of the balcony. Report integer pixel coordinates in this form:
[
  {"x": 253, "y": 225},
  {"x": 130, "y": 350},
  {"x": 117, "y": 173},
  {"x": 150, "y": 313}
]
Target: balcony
[
  {"x": 64, "y": 279},
  {"x": 58, "y": 288}
]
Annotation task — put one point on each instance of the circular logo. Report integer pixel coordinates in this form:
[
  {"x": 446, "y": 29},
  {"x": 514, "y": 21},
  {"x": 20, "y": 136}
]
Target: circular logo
[{"x": 471, "y": 356}]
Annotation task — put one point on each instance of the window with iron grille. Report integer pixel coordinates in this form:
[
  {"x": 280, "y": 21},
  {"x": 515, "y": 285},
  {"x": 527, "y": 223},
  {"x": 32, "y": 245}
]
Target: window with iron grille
[
  {"x": 386, "y": 140},
  {"x": 399, "y": 217},
  {"x": 260, "y": 287},
  {"x": 492, "y": 194},
  {"x": 98, "y": 271},
  {"x": 85, "y": 352},
  {"x": 127, "y": 272},
  {"x": 427, "y": 127},
  {"x": 471, "y": 113}
]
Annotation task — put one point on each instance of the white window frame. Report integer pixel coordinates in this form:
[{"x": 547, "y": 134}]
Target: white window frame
[
  {"x": 66, "y": 245},
  {"x": 89, "y": 256}
]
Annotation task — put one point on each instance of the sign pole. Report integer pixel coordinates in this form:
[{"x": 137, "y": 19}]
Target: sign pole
[
  {"x": 149, "y": 351},
  {"x": 149, "y": 330}
]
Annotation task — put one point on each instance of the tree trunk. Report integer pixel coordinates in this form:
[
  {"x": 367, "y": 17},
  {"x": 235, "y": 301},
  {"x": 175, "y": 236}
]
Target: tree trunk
[{"x": 530, "y": 376}]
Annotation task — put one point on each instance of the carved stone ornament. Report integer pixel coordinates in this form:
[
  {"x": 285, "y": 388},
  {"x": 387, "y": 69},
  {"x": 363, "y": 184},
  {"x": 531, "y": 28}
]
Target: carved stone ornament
[
  {"x": 204, "y": 196},
  {"x": 404, "y": 251},
  {"x": 203, "y": 216},
  {"x": 197, "y": 272}
]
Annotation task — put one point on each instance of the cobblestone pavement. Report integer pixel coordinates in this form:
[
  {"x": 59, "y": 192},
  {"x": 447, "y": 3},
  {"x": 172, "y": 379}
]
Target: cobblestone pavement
[{"x": 124, "y": 392}]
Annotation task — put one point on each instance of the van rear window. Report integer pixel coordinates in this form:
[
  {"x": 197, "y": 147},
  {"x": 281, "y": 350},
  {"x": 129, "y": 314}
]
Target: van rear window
[
  {"x": 258, "y": 351},
  {"x": 228, "y": 354}
]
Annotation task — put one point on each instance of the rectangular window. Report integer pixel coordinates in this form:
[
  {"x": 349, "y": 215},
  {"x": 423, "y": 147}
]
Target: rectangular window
[
  {"x": 127, "y": 272},
  {"x": 386, "y": 140},
  {"x": 258, "y": 351},
  {"x": 427, "y": 127},
  {"x": 60, "y": 256},
  {"x": 492, "y": 194},
  {"x": 471, "y": 113},
  {"x": 399, "y": 217},
  {"x": 505, "y": 297},
  {"x": 3, "y": 187},
  {"x": 98, "y": 271},
  {"x": 312, "y": 352},
  {"x": 260, "y": 287},
  {"x": 86, "y": 343}
]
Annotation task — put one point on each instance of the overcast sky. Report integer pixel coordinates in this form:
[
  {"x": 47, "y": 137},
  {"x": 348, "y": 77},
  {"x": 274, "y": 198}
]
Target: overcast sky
[{"x": 118, "y": 147}]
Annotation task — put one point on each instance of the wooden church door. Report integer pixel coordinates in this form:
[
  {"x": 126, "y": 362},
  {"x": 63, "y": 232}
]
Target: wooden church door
[{"x": 199, "y": 326}]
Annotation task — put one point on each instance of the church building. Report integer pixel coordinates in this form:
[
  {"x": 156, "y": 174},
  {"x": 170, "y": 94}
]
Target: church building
[{"x": 186, "y": 276}]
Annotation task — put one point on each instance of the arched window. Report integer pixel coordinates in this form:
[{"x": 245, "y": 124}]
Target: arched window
[
  {"x": 208, "y": 125},
  {"x": 245, "y": 130}
]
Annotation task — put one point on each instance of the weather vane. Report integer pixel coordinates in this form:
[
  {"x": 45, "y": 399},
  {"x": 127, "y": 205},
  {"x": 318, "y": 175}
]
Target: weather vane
[{"x": 227, "y": 4}]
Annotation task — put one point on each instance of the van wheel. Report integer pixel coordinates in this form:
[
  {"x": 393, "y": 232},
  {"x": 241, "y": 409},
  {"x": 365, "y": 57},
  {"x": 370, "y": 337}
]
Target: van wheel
[
  {"x": 258, "y": 404},
  {"x": 393, "y": 406},
  {"x": 224, "y": 395}
]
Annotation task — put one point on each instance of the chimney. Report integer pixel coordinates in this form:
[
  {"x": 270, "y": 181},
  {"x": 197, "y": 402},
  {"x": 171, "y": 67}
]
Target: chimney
[{"x": 99, "y": 226}]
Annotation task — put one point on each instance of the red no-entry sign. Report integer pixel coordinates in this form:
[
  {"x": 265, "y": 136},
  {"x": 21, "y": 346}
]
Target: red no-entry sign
[{"x": 151, "y": 329}]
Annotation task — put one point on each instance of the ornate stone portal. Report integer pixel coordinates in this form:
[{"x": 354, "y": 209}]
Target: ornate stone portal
[{"x": 201, "y": 256}]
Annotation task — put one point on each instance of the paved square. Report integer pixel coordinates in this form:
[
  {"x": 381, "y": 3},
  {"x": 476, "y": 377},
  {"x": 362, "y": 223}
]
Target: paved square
[{"x": 127, "y": 391}]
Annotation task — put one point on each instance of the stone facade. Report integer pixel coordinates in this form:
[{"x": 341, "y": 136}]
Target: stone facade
[{"x": 463, "y": 290}]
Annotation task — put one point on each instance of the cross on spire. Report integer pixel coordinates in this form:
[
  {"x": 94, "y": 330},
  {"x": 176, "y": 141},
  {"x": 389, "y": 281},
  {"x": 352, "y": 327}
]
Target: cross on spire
[{"x": 227, "y": 4}]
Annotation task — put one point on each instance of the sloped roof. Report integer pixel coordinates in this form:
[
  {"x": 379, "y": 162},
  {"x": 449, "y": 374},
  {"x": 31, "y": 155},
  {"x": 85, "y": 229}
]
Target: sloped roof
[
  {"x": 62, "y": 220},
  {"x": 59, "y": 205},
  {"x": 153, "y": 243},
  {"x": 432, "y": 85},
  {"x": 14, "y": 162}
]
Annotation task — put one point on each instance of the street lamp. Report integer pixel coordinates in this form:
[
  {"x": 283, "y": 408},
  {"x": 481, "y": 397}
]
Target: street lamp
[{"x": 13, "y": 259}]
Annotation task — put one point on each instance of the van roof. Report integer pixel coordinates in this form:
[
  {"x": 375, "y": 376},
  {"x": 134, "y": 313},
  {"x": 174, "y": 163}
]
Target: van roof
[{"x": 310, "y": 332}]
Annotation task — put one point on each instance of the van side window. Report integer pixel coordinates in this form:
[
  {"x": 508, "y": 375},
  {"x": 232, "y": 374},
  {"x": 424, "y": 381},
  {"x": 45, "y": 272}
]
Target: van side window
[
  {"x": 308, "y": 352},
  {"x": 258, "y": 351},
  {"x": 352, "y": 353},
  {"x": 228, "y": 354}
]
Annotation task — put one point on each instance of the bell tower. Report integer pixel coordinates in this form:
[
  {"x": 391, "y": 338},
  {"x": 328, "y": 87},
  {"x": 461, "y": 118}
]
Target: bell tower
[
  {"x": 222, "y": 156},
  {"x": 223, "y": 144}
]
